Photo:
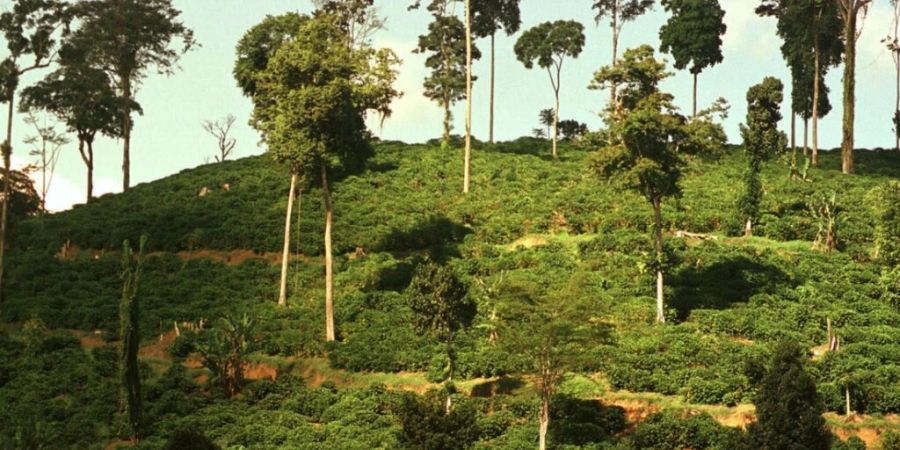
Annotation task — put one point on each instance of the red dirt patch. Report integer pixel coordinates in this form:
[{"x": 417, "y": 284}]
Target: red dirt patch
[{"x": 870, "y": 436}]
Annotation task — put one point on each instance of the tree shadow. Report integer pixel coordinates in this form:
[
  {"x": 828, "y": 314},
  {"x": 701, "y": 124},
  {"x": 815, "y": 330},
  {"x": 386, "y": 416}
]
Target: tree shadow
[
  {"x": 504, "y": 385},
  {"x": 723, "y": 283},
  {"x": 581, "y": 422},
  {"x": 436, "y": 234}
]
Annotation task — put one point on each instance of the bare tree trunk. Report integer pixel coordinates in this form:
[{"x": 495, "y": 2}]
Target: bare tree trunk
[
  {"x": 468, "y": 151},
  {"x": 447, "y": 118},
  {"x": 815, "y": 106},
  {"x": 286, "y": 250},
  {"x": 806, "y": 137},
  {"x": 847, "y": 400},
  {"x": 493, "y": 75},
  {"x": 7, "y": 176},
  {"x": 556, "y": 123},
  {"x": 695, "y": 95},
  {"x": 849, "y": 88},
  {"x": 544, "y": 420},
  {"x": 793, "y": 130},
  {"x": 329, "y": 275},
  {"x": 657, "y": 224},
  {"x": 126, "y": 137},
  {"x": 90, "y": 170},
  {"x": 615, "y": 53}
]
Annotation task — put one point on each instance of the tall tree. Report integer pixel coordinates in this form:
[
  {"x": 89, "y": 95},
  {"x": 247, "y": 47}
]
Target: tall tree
[
  {"x": 254, "y": 50},
  {"x": 46, "y": 144},
  {"x": 446, "y": 45},
  {"x": 762, "y": 141},
  {"x": 850, "y": 12},
  {"x": 489, "y": 17},
  {"x": 30, "y": 31},
  {"x": 85, "y": 99},
  {"x": 892, "y": 41},
  {"x": 357, "y": 18},
  {"x": 129, "y": 334},
  {"x": 310, "y": 107},
  {"x": 647, "y": 141},
  {"x": 693, "y": 35},
  {"x": 126, "y": 39},
  {"x": 619, "y": 13},
  {"x": 811, "y": 31},
  {"x": 788, "y": 408},
  {"x": 442, "y": 307},
  {"x": 467, "y": 152},
  {"x": 549, "y": 44}
]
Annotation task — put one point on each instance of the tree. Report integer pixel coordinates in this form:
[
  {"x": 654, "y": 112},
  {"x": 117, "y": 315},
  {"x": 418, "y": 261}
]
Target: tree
[
  {"x": 619, "y": 12},
  {"x": 810, "y": 30},
  {"x": 647, "y": 141},
  {"x": 693, "y": 35},
  {"x": 445, "y": 43},
  {"x": 310, "y": 104},
  {"x": 551, "y": 334},
  {"x": 571, "y": 129},
  {"x": 892, "y": 41},
  {"x": 547, "y": 118},
  {"x": 489, "y": 17},
  {"x": 224, "y": 350},
  {"x": 85, "y": 99},
  {"x": 850, "y": 11},
  {"x": 442, "y": 307},
  {"x": 126, "y": 39},
  {"x": 788, "y": 408},
  {"x": 46, "y": 145},
  {"x": 549, "y": 44},
  {"x": 129, "y": 334},
  {"x": 219, "y": 129},
  {"x": 762, "y": 140},
  {"x": 29, "y": 30},
  {"x": 357, "y": 18},
  {"x": 24, "y": 200}
]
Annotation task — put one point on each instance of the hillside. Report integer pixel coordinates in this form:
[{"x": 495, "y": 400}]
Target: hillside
[{"x": 532, "y": 227}]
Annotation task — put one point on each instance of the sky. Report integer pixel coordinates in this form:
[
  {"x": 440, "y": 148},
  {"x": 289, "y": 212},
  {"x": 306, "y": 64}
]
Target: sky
[{"x": 169, "y": 137}]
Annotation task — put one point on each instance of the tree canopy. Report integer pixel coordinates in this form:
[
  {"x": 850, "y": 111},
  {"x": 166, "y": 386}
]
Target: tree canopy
[{"x": 693, "y": 33}]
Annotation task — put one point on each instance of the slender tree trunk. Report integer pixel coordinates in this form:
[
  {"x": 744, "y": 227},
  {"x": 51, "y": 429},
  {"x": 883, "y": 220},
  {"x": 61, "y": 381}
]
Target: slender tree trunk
[
  {"x": 7, "y": 177},
  {"x": 806, "y": 137},
  {"x": 468, "y": 151},
  {"x": 448, "y": 117},
  {"x": 615, "y": 53},
  {"x": 556, "y": 123},
  {"x": 544, "y": 420},
  {"x": 695, "y": 94},
  {"x": 493, "y": 80},
  {"x": 451, "y": 358},
  {"x": 126, "y": 137},
  {"x": 793, "y": 130},
  {"x": 897, "y": 104},
  {"x": 849, "y": 88},
  {"x": 286, "y": 251},
  {"x": 89, "y": 163},
  {"x": 847, "y": 400},
  {"x": 657, "y": 224},
  {"x": 329, "y": 275},
  {"x": 815, "y": 105}
]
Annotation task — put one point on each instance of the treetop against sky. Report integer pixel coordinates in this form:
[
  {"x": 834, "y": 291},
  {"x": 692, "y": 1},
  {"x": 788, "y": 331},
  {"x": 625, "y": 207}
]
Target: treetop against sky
[{"x": 169, "y": 136}]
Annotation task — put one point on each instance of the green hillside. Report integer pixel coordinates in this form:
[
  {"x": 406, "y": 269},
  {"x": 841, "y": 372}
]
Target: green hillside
[{"x": 532, "y": 227}]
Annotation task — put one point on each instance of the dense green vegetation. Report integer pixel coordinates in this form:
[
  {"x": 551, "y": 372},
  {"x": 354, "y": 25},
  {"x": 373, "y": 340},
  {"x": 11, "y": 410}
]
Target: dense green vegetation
[{"x": 533, "y": 228}]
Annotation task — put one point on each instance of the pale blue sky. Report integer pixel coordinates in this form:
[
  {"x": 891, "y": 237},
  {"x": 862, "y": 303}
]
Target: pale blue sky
[{"x": 169, "y": 137}]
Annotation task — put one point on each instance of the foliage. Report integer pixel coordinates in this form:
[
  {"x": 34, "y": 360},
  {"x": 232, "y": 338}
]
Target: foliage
[
  {"x": 427, "y": 426},
  {"x": 693, "y": 33},
  {"x": 224, "y": 350},
  {"x": 24, "y": 200},
  {"x": 129, "y": 334},
  {"x": 490, "y": 16},
  {"x": 446, "y": 45},
  {"x": 885, "y": 203},
  {"x": 259, "y": 44},
  {"x": 697, "y": 431},
  {"x": 762, "y": 141},
  {"x": 788, "y": 407},
  {"x": 826, "y": 212}
]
